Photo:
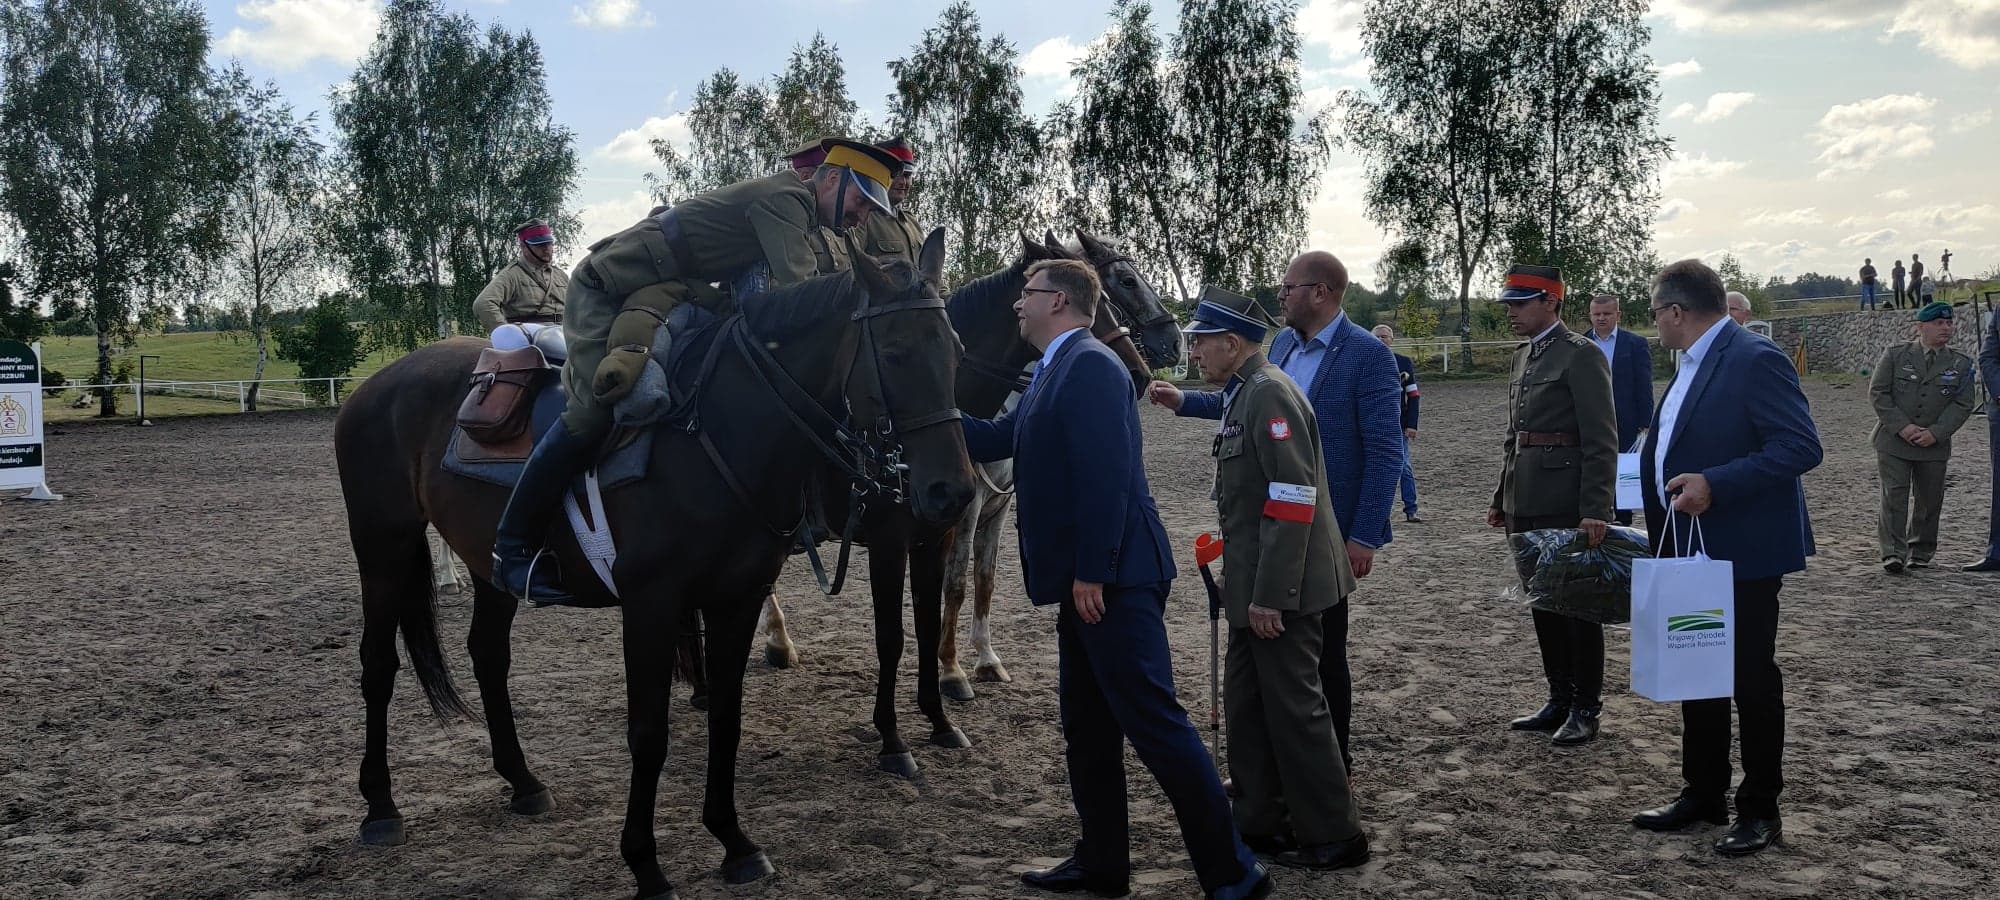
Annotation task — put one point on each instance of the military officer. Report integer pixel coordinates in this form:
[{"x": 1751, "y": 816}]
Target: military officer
[
  {"x": 899, "y": 235},
  {"x": 525, "y": 298},
  {"x": 756, "y": 234},
  {"x": 1559, "y": 470},
  {"x": 805, "y": 160},
  {"x": 1281, "y": 571},
  {"x": 1923, "y": 392}
]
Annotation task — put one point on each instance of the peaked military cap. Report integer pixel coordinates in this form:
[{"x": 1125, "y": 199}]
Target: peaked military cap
[
  {"x": 808, "y": 156},
  {"x": 1936, "y": 309},
  {"x": 535, "y": 231},
  {"x": 869, "y": 168},
  {"x": 1227, "y": 312},
  {"x": 1525, "y": 282},
  {"x": 902, "y": 150}
]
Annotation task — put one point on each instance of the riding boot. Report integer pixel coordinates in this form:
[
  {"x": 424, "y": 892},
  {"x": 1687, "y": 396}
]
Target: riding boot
[
  {"x": 517, "y": 545},
  {"x": 1552, "y": 714},
  {"x": 1580, "y": 728}
]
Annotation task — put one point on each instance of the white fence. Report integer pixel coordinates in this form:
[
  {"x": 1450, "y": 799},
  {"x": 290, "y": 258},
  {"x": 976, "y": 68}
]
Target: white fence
[{"x": 274, "y": 391}]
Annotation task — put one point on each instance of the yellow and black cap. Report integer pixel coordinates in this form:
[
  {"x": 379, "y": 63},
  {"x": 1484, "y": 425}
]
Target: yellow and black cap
[{"x": 868, "y": 167}]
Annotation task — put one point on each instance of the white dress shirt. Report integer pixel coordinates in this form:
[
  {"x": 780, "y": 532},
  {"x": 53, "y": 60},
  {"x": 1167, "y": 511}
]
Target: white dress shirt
[
  {"x": 1670, "y": 407},
  {"x": 1607, "y": 343}
]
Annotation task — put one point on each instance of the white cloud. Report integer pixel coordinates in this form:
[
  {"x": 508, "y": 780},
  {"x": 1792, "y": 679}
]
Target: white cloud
[
  {"x": 1854, "y": 137},
  {"x": 1719, "y": 106},
  {"x": 1792, "y": 249},
  {"x": 1954, "y": 217},
  {"x": 608, "y": 217},
  {"x": 1333, "y": 24},
  {"x": 1052, "y": 59},
  {"x": 1868, "y": 239},
  {"x": 1674, "y": 209},
  {"x": 1790, "y": 218},
  {"x": 1892, "y": 195},
  {"x": 1697, "y": 168},
  {"x": 611, "y": 15},
  {"x": 1972, "y": 121},
  {"x": 1966, "y": 32},
  {"x": 635, "y": 145},
  {"x": 291, "y": 33},
  {"x": 1681, "y": 69}
]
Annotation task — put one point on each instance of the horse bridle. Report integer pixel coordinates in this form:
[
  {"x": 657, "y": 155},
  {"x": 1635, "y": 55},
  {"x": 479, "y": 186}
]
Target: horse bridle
[{"x": 1163, "y": 316}]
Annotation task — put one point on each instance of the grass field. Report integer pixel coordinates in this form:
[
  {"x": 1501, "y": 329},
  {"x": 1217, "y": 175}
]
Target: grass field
[{"x": 194, "y": 356}]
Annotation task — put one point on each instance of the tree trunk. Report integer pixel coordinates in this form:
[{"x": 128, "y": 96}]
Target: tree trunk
[
  {"x": 261, "y": 330},
  {"x": 1465, "y": 317}
]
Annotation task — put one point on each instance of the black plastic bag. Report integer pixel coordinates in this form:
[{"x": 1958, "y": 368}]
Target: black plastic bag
[{"x": 1561, "y": 573}]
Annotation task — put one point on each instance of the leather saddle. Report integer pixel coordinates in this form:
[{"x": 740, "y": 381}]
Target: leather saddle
[{"x": 499, "y": 410}]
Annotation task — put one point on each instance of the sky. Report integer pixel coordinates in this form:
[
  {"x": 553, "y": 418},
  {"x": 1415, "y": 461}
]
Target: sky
[{"x": 1808, "y": 134}]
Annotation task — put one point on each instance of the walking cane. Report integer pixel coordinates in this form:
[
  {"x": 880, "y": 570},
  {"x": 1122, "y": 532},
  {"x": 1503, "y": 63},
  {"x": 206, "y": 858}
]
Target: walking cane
[{"x": 1207, "y": 550}]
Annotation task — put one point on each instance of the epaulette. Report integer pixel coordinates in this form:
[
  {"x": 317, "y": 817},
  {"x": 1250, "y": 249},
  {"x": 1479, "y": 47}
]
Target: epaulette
[
  {"x": 1578, "y": 339},
  {"x": 1260, "y": 377}
]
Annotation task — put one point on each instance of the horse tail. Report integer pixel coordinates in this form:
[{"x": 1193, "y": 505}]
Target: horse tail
[{"x": 416, "y": 618}]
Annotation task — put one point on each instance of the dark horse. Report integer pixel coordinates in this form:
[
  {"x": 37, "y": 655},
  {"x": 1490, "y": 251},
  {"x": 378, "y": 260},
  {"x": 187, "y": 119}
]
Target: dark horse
[{"x": 708, "y": 529}]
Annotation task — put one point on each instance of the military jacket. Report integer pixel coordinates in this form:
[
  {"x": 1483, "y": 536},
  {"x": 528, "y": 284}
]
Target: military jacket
[
  {"x": 1909, "y": 389},
  {"x": 521, "y": 291},
  {"x": 1282, "y": 548},
  {"x": 900, "y": 236},
  {"x": 1561, "y": 389},
  {"x": 768, "y": 225}
]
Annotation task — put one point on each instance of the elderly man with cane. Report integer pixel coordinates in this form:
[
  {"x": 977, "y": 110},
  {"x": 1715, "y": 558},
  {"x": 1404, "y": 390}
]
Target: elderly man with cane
[{"x": 1281, "y": 572}]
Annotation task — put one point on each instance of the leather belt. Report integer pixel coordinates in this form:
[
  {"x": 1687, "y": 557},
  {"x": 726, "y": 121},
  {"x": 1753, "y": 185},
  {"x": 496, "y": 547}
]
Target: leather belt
[
  {"x": 1548, "y": 439},
  {"x": 536, "y": 320}
]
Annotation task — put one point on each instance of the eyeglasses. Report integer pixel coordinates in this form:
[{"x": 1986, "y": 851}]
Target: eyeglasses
[
  {"x": 1284, "y": 289},
  {"x": 1030, "y": 290},
  {"x": 1656, "y": 310}
]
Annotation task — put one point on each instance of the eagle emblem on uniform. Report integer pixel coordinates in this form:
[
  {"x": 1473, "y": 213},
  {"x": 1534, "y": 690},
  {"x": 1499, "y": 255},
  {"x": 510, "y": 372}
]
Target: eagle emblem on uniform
[{"x": 1281, "y": 430}]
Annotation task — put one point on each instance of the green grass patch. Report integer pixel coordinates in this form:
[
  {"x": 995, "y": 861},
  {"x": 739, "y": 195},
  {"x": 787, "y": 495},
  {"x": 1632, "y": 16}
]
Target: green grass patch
[{"x": 191, "y": 356}]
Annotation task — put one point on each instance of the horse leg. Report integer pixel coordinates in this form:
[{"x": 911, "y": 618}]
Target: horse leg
[
  {"x": 649, "y": 633},
  {"x": 927, "y": 568},
  {"x": 731, "y": 626},
  {"x": 986, "y": 564},
  {"x": 444, "y": 566},
  {"x": 951, "y": 679},
  {"x": 779, "y": 651},
  {"x": 689, "y": 653},
  {"x": 490, "y": 645},
  {"x": 394, "y": 564},
  {"x": 885, "y": 581}
]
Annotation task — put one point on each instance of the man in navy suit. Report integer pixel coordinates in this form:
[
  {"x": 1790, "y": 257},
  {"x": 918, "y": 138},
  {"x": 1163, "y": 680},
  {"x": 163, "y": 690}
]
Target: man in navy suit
[
  {"x": 1092, "y": 542},
  {"x": 1730, "y": 442},
  {"x": 1350, "y": 379},
  {"x": 1631, "y": 374}
]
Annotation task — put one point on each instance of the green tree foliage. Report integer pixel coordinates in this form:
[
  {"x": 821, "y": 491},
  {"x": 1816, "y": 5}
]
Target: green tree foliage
[
  {"x": 1749, "y": 284},
  {"x": 272, "y": 250},
  {"x": 325, "y": 345},
  {"x": 110, "y": 145},
  {"x": 20, "y": 319},
  {"x": 958, "y": 100},
  {"x": 446, "y": 143},
  {"x": 740, "y": 129},
  {"x": 809, "y": 100}
]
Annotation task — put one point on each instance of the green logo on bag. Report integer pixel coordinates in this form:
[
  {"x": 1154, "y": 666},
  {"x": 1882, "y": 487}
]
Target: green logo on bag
[{"x": 1699, "y": 620}]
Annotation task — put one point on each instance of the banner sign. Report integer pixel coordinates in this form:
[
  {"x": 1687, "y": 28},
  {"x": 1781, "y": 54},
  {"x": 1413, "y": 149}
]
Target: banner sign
[{"x": 21, "y": 420}]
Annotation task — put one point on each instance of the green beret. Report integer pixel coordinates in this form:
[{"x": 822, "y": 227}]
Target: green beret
[{"x": 1936, "y": 309}]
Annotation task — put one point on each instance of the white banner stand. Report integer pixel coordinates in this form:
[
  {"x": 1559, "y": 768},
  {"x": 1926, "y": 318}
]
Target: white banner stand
[{"x": 21, "y": 464}]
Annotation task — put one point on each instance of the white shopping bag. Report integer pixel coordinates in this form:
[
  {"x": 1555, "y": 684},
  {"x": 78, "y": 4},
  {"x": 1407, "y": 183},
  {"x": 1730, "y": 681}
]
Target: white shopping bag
[
  {"x": 1630, "y": 495},
  {"x": 1683, "y": 624}
]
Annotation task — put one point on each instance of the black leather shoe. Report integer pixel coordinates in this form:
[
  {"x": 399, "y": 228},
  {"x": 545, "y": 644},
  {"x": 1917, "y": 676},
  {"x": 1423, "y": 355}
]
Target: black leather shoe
[
  {"x": 1069, "y": 876},
  {"x": 1580, "y": 728},
  {"x": 1270, "y": 844},
  {"x": 1750, "y": 836},
  {"x": 1550, "y": 717},
  {"x": 1681, "y": 813},
  {"x": 1341, "y": 855},
  {"x": 1892, "y": 566},
  {"x": 1988, "y": 564}
]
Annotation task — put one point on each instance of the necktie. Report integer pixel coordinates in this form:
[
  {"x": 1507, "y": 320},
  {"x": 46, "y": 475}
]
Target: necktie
[{"x": 1034, "y": 375}]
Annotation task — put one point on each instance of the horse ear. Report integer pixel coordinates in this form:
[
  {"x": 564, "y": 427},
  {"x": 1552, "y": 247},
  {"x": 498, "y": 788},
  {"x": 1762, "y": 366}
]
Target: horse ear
[
  {"x": 1055, "y": 245},
  {"x": 1030, "y": 250},
  {"x": 1091, "y": 246},
  {"x": 930, "y": 260},
  {"x": 868, "y": 271}
]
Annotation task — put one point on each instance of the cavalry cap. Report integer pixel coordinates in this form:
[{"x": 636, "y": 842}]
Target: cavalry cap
[
  {"x": 808, "y": 156},
  {"x": 1226, "y": 312},
  {"x": 1936, "y": 309},
  {"x": 535, "y": 231},
  {"x": 902, "y": 150},
  {"x": 1526, "y": 283},
  {"x": 868, "y": 168}
]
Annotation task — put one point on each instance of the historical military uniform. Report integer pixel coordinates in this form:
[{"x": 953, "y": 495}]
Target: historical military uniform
[
  {"x": 1281, "y": 551},
  {"x": 1559, "y": 465},
  {"x": 524, "y": 291},
  {"x": 1915, "y": 385},
  {"x": 749, "y": 236},
  {"x": 898, "y": 236}
]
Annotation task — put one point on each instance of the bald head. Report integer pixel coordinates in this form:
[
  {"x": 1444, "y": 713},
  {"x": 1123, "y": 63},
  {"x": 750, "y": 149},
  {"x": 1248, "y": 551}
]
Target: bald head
[
  {"x": 1315, "y": 284},
  {"x": 1739, "y": 307}
]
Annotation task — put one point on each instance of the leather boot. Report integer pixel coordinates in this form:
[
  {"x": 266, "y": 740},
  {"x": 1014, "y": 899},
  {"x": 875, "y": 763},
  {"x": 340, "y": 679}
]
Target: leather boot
[
  {"x": 1580, "y": 728},
  {"x": 517, "y": 544},
  {"x": 1549, "y": 717}
]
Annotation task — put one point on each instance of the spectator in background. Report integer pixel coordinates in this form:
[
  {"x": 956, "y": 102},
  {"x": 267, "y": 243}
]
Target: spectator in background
[
  {"x": 1631, "y": 374},
  {"x": 1926, "y": 292},
  {"x": 1944, "y": 266},
  {"x": 1739, "y": 308},
  {"x": 1916, "y": 280},
  {"x": 1896, "y": 284},
  {"x": 1406, "y": 370},
  {"x": 1868, "y": 284}
]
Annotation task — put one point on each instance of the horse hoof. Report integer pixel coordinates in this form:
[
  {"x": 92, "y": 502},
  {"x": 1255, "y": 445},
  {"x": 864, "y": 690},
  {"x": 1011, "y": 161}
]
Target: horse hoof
[
  {"x": 777, "y": 658},
  {"x": 901, "y": 765},
  {"x": 748, "y": 869},
  {"x": 533, "y": 804},
  {"x": 956, "y": 689},
  {"x": 951, "y": 739},
  {"x": 993, "y": 672},
  {"x": 384, "y": 833}
]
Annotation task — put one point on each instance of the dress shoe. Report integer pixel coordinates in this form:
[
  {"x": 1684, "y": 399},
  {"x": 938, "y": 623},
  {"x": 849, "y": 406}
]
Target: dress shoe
[
  {"x": 1750, "y": 836},
  {"x": 1069, "y": 876},
  {"x": 1580, "y": 728},
  {"x": 1920, "y": 564},
  {"x": 1339, "y": 855},
  {"x": 1256, "y": 885},
  {"x": 1681, "y": 813},
  {"x": 1549, "y": 718},
  {"x": 1270, "y": 844},
  {"x": 1988, "y": 564},
  {"x": 1413, "y": 518},
  {"x": 1892, "y": 566}
]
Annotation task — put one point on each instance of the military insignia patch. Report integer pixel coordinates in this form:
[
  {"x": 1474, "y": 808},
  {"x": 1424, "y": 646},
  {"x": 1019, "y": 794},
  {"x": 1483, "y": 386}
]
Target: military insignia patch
[
  {"x": 1281, "y": 430},
  {"x": 1231, "y": 429}
]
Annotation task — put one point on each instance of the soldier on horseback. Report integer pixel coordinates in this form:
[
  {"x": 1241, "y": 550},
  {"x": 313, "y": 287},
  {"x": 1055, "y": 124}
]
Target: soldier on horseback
[
  {"x": 523, "y": 304},
  {"x": 751, "y": 236},
  {"x": 897, "y": 234}
]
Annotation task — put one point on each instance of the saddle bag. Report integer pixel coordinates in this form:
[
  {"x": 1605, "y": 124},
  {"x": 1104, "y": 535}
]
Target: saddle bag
[{"x": 499, "y": 406}]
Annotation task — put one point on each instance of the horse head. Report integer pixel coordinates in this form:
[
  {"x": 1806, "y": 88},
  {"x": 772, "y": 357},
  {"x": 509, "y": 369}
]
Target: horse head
[
  {"x": 1158, "y": 335},
  {"x": 904, "y": 374}
]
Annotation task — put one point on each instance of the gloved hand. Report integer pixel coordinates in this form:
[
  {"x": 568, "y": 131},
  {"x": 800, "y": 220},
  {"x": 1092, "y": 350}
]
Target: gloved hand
[{"x": 618, "y": 372}]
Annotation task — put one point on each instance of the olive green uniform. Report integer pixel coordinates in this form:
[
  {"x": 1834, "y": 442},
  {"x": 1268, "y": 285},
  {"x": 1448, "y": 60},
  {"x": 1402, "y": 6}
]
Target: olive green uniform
[
  {"x": 762, "y": 228},
  {"x": 521, "y": 292},
  {"x": 900, "y": 236},
  {"x": 1268, "y": 477},
  {"x": 1932, "y": 390}
]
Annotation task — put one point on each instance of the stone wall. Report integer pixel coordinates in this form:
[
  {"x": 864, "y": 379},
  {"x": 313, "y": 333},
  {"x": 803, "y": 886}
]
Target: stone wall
[{"x": 1854, "y": 341}]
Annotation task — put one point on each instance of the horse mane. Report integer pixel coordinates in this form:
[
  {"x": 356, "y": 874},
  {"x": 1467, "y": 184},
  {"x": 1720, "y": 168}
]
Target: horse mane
[{"x": 786, "y": 312}]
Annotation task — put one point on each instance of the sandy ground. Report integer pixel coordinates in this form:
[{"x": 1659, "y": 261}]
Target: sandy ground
[{"x": 180, "y": 713}]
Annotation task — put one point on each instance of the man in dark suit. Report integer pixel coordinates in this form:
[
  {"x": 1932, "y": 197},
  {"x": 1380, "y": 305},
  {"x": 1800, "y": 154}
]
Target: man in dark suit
[
  {"x": 1406, "y": 372},
  {"x": 1631, "y": 374},
  {"x": 1092, "y": 542},
  {"x": 1730, "y": 442},
  {"x": 1989, "y": 372}
]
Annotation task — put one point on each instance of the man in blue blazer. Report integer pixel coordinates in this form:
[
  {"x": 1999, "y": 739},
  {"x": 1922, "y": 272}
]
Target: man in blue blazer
[
  {"x": 1631, "y": 374},
  {"x": 1092, "y": 543},
  {"x": 1730, "y": 442},
  {"x": 1350, "y": 379}
]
